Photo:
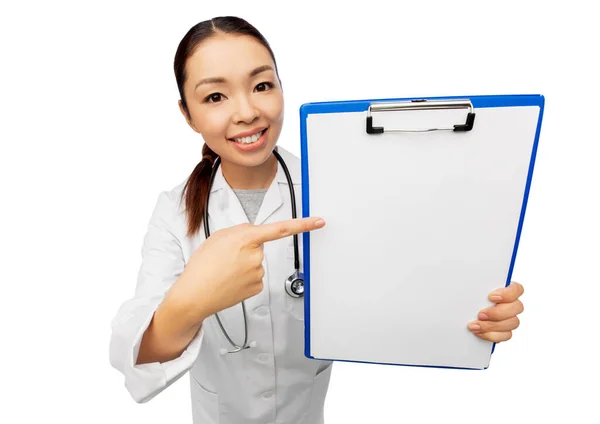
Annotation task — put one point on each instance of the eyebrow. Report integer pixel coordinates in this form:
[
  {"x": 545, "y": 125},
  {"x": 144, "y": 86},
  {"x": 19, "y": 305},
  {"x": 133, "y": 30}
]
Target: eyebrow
[{"x": 221, "y": 80}]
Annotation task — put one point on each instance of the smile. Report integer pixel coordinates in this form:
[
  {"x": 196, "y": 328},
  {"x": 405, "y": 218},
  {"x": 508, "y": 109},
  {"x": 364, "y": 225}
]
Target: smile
[{"x": 249, "y": 139}]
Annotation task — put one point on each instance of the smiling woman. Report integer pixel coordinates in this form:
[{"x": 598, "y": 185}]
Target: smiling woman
[{"x": 230, "y": 94}]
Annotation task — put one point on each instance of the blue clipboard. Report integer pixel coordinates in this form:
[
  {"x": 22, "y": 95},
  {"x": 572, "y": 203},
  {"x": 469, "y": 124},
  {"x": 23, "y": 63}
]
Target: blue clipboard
[{"x": 332, "y": 133}]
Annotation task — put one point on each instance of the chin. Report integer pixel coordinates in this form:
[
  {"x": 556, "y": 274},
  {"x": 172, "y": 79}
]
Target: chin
[{"x": 255, "y": 158}]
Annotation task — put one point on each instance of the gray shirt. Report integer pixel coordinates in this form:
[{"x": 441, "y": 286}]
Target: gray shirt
[{"x": 251, "y": 201}]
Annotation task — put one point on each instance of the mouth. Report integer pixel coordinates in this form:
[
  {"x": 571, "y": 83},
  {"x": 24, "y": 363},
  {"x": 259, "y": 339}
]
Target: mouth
[{"x": 250, "y": 139}]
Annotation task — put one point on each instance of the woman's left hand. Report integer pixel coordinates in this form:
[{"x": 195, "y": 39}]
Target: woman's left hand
[{"x": 497, "y": 322}]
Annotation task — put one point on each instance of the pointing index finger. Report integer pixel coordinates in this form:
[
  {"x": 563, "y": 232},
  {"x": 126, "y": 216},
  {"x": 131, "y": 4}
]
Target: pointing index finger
[{"x": 277, "y": 230}]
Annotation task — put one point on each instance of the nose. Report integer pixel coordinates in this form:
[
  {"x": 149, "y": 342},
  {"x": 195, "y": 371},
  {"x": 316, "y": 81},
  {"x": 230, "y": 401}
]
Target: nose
[{"x": 245, "y": 111}]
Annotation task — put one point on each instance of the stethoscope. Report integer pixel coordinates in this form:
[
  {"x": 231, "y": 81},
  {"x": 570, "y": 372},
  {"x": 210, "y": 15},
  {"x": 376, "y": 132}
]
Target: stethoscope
[{"x": 294, "y": 284}]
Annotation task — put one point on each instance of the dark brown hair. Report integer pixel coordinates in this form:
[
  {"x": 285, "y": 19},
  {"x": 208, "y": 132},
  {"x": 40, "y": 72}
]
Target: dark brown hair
[{"x": 195, "y": 191}]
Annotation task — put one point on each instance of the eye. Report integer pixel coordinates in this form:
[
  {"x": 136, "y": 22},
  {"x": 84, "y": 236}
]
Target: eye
[
  {"x": 213, "y": 98},
  {"x": 264, "y": 86}
]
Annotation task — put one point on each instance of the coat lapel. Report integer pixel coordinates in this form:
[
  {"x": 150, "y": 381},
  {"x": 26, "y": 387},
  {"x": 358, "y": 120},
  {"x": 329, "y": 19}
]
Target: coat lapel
[
  {"x": 225, "y": 204},
  {"x": 224, "y": 207},
  {"x": 271, "y": 202}
]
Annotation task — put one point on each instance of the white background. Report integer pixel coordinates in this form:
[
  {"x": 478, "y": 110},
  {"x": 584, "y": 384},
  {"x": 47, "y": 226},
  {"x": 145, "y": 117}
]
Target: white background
[{"x": 90, "y": 134}]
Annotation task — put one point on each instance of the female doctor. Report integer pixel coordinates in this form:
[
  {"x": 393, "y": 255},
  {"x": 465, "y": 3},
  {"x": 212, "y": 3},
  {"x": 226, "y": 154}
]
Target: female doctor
[{"x": 246, "y": 364}]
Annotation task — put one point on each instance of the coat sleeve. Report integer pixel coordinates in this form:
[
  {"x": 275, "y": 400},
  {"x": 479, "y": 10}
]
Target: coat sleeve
[{"x": 162, "y": 263}]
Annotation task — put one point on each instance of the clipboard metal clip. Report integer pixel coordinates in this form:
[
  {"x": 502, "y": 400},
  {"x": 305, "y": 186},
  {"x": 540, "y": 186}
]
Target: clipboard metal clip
[{"x": 421, "y": 105}]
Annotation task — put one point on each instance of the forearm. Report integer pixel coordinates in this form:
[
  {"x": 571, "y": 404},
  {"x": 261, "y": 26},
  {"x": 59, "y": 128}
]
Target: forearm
[{"x": 173, "y": 326}]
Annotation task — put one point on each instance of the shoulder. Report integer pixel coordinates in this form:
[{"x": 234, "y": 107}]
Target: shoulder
[
  {"x": 169, "y": 206},
  {"x": 173, "y": 195}
]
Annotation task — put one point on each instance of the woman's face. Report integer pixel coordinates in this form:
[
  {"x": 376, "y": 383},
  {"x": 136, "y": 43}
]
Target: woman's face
[{"x": 234, "y": 98}]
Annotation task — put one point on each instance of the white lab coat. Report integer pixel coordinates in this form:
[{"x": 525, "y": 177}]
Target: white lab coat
[{"x": 271, "y": 383}]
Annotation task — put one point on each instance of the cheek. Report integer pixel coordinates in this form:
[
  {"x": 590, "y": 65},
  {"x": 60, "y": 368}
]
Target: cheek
[
  {"x": 212, "y": 123},
  {"x": 273, "y": 109}
]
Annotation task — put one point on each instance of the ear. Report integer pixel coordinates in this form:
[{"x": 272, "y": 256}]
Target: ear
[{"x": 186, "y": 116}]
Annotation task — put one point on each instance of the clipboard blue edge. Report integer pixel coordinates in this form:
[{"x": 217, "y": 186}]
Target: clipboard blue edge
[{"x": 478, "y": 101}]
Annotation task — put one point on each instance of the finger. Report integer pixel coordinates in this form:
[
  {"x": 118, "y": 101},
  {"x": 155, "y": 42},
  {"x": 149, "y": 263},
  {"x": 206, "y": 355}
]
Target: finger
[
  {"x": 259, "y": 273},
  {"x": 495, "y": 336},
  {"x": 501, "y": 311},
  {"x": 507, "y": 294},
  {"x": 268, "y": 232},
  {"x": 492, "y": 326},
  {"x": 255, "y": 288},
  {"x": 258, "y": 257}
]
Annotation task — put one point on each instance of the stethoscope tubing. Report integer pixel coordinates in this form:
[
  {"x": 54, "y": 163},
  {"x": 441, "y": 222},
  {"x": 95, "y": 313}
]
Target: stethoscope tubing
[{"x": 245, "y": 345}]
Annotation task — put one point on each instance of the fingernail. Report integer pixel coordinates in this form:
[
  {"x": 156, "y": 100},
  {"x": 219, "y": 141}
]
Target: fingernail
[
  {"x": 482, "y": 316},
  {"x": 474, "y": 327},
  {"x": 319, "y": 223},
  {"x": 495, "y": 298}
]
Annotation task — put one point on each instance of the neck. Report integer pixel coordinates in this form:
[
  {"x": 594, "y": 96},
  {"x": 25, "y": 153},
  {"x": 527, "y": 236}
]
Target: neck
[{"x": 250, "y": 178}]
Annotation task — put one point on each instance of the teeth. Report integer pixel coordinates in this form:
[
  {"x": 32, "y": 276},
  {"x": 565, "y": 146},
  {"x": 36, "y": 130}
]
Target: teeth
[{"x": 248, "y": 140}]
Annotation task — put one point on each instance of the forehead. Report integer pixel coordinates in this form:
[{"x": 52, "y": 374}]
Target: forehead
[{"x": 227, "y": 56}]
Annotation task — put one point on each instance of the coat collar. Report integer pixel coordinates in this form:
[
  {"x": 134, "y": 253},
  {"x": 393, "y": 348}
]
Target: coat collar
[{"x": 224, "y": 202}]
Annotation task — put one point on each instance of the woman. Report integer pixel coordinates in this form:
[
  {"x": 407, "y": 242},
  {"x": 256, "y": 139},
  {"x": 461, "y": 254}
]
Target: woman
[{"x": 231, "y": 95}]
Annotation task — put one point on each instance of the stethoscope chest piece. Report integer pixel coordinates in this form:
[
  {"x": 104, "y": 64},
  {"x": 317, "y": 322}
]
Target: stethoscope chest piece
[{"x": 294, "y": 285}]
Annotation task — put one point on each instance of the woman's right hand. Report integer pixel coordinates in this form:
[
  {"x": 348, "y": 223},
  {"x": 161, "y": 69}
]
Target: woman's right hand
[{"x": 227, "y": 268}]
